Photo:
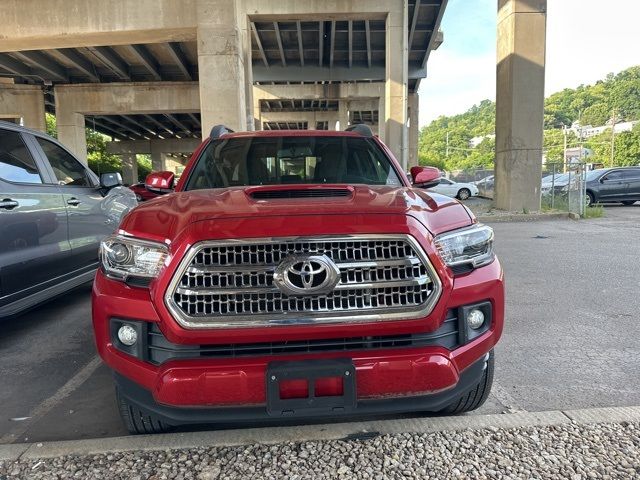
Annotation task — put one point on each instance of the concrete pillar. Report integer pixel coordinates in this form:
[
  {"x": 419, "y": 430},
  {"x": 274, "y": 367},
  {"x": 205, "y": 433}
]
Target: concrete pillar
[
  {"x": 129, "y": 168},
  {"x": 158, "y": 161},
  {"x": 343, "y": 114},
  {"x": 381, "y": 119},
  {"x": 222, "y": 53},
  {"x": 519, "y": 103},
  {"x": 71, "y": 131},
  {"x": 396, "y": 73},
  {"x": 414, "y": 129},
  {"x": 24, "y": 102}
]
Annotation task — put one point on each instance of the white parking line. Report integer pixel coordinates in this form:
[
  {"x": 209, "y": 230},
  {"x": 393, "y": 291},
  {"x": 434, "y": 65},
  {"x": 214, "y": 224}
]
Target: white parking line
[{"x": 63, "y": 392}]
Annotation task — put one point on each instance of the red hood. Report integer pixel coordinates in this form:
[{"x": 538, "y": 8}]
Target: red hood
[{"x": 165, "y": 217}]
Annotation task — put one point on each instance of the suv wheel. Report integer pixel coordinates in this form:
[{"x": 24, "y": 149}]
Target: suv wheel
[
  {"x": 136, "y": 421},
  {"x": 477, "y": 395},
  {"x": 463, "y": 194},
  {"x": 588, "y": 200},
  {"x": 629, "y": 202}
]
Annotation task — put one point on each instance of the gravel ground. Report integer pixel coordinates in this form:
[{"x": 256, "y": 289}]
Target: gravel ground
[{"x": 569, "y": 452}]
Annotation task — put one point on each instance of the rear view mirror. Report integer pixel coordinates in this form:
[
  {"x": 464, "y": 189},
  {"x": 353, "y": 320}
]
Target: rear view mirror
[
  {"x": 110, "y": 180},
  {"x": 425, "y": 177},
  {"x": 160, "y": 182}
]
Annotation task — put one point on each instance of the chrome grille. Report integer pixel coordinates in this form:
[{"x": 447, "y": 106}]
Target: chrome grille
[{"x": 230, "y": 284}]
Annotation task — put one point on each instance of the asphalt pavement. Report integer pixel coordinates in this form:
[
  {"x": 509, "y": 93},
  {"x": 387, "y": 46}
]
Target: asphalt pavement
[{"x": 570, "y": 341}]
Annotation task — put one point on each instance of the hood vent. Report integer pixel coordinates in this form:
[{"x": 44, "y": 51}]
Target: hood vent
[{"x": 300, "y": 193}]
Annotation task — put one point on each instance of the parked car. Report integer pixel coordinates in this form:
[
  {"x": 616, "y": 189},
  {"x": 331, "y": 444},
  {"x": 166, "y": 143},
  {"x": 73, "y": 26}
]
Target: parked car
[
  {"x": 461, "y": 191},
  {"x": 54, "y": 212},
  {"x": 297, "y": 274},
  {"x": 142, "y": 193},
  {"x": 606, "y": 185}
]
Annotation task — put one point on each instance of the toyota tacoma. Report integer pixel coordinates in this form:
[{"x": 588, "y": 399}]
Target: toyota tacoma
[{"x": 296, "y": 275}]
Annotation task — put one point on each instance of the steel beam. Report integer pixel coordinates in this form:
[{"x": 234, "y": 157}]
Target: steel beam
[
  {"x": 179, "y": 59},
  {"x": 45, "y": 63},
  {"x": 112, "y": 60},
  {"x": 259, "y": 43},
  {"x": 144, "y": 56},
  {"x": 279, "y": 40},
  {"x": 317, "y": 74},
  {"x": 81, "y": 63},
  {"x": 414, "y": 21},
  {"x": 300, "y": 48}
]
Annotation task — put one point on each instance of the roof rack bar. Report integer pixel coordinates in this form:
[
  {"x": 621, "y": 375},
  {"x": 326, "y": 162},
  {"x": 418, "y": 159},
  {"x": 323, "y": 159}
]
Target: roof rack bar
[{"x": 218, "y": 131}]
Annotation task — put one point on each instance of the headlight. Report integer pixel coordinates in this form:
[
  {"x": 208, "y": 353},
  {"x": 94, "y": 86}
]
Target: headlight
[
  {"x": 471, "y": 245},
  {"x": 124, "y": 257}
]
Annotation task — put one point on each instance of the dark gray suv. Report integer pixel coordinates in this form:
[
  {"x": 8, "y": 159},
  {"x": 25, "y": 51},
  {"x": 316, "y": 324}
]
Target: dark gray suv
[
  {"x": 606, "y": 185},
  {"x": 53, "y": 213}
]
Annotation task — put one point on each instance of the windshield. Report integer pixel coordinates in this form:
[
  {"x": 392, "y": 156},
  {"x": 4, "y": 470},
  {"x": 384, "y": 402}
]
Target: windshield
[{"x": 291, "y": 160}]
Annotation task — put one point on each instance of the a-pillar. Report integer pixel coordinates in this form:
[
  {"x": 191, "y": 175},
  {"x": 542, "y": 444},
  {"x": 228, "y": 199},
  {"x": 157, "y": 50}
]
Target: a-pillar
[
  {"x": 25, "y": 102},
  {"x": 129, "y": 168},
  {"x": 519, "y": 103},
  {"x": 396, "y": 73},
  {"x": 343, "y": 115},
  {"x": 413, "y": 129},
  {"x": 71, "y": 131},
  {"x": 223, "y": 48}
]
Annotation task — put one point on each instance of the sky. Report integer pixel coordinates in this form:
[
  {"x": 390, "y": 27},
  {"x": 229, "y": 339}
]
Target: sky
[{"x": 586, "y": 40}]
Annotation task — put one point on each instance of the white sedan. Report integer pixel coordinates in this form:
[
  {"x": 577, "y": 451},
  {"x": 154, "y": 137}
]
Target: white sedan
[{"x": 461, "y": 191}]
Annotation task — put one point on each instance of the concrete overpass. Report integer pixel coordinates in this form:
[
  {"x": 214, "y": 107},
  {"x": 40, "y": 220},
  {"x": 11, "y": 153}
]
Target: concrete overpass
[{"x": 161, "y": 69}]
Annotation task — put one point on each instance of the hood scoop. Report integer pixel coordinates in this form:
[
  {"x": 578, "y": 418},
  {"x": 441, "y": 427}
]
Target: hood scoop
[{"x": 272, "y": 194}]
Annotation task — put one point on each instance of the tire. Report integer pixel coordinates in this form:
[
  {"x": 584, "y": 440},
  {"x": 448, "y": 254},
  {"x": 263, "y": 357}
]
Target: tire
[
  {"x": 476, "y": 396},
  {"x": 589, "y": 200},
  {"x": 463, "y": 194},
  {"x": 136, "y": 421},
  {"x": 628, "y": 202},
  {"x": 139, "y": 197}
]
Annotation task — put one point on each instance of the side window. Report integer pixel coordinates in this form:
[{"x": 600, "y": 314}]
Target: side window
[
  {"x": 632, "y": 174},
  {"x": 614, "y": 176},
  {"x": 16, "y": 163},
  {"x": 68, "y": 170}
]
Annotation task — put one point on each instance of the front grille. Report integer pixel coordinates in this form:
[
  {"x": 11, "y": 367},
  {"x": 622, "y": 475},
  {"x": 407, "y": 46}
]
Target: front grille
[
  {"x": 160, "y": 350},
  {"x": 232, "y": 283},
  {"x": 300, "y": 193}
]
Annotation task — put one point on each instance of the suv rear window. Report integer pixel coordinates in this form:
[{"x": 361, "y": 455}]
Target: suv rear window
[
  {"x": 16, "y": 163},
  {"x": 291, "y": 160}
]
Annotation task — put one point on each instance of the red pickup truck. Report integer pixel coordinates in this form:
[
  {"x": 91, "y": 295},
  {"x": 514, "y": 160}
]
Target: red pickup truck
[{"x": 297, "y": 274}]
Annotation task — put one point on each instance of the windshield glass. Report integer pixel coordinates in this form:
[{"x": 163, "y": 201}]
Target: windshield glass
[{"x": 291, "y": 160}]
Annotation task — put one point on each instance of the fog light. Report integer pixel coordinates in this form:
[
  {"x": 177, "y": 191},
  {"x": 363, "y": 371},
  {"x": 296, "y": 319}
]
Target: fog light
[
  {"x": 127, "y": 335},
  {"x": 475, "y": 319}
]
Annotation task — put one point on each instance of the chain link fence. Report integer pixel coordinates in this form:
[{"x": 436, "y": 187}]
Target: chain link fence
[{"x": 562, "y": 187}]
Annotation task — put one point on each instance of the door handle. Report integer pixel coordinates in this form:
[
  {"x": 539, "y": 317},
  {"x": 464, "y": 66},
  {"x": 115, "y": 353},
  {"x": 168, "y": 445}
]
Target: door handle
[
  {"x": 8, "y": 204},
  {"x": 73, "y": 201}
]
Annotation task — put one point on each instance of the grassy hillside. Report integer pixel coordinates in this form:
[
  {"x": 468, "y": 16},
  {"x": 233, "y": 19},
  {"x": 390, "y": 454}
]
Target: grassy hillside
[{"x": 590, "y": 104}]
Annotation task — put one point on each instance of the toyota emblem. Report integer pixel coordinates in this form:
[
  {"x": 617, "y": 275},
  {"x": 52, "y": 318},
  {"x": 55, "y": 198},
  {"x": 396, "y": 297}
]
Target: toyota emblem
[{"x": 306, "y": 275}]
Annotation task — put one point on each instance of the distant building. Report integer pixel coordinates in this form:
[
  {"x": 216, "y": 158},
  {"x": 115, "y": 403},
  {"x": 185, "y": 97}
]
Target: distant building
[{"x": 587, "y": 131}]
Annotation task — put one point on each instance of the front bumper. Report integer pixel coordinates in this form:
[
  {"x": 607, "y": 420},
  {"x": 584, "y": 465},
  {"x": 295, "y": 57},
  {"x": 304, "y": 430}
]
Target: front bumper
[{"x": 171, "y": 415}]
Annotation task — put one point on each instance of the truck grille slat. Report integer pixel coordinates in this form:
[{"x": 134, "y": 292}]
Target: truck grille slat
[{"x": 232, "y": 283}]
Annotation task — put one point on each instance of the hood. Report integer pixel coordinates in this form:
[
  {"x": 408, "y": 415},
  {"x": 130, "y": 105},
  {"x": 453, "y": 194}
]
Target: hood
[{"x": 165, "y": 217}]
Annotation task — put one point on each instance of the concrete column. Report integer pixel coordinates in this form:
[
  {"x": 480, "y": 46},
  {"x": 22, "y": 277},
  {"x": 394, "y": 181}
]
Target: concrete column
[
  {"x": 71, "y": 131},
  {"x": 396, "y": 73},
  {"x": 343, "y": 114},
  {"x": 158, "y": 161},
  {"x": 222, "y": 51},
  {"x": 24, "y": 102},
  {"x": 381, "y": 119},
  {"x": 413, "y": 129},
  {"x": 129, "y": 168},
  {"x": 519, "y": 103}
]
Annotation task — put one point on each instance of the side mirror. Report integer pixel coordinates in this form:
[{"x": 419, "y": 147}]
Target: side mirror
[
  {"x": 425, "y": 177},
  {"x": 110, "y": 180},
  {"x": 160, "y": 182}
]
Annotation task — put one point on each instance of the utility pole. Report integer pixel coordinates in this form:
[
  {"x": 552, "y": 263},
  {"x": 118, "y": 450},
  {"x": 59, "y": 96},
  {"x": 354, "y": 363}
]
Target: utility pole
[
  {"x": 447, "y": 154},
  {"x": 564, "y": 149},
  {"x": 613, "y": 136}
]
